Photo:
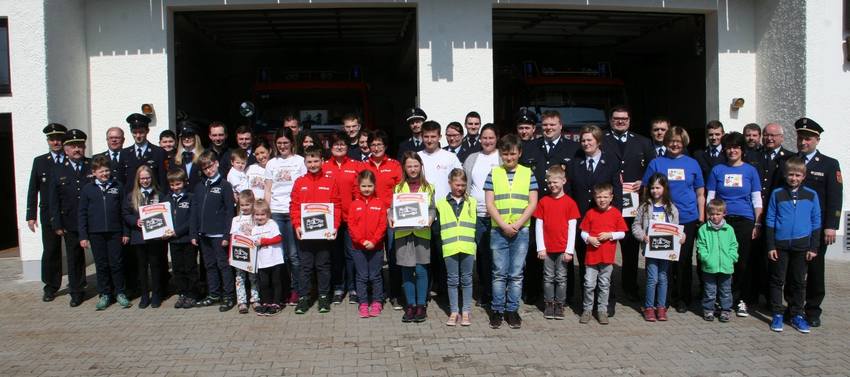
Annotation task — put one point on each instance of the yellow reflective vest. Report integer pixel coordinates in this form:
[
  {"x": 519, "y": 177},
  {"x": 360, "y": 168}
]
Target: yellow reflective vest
[
  {"x": 457, "y": 232},
  {"x": 511, "y": 199},
  {"x": 423, "y": 233}
]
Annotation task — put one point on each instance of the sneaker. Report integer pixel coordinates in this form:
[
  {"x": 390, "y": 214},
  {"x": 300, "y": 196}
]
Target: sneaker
[
  {"x": 156, "y": 301},
  {"x": 324, "y": 304},
  {"x": 102, "y": 303},
  {"x": 681, "y": 307},
  {"x": 226, "y": 305},
  {"x": 515, "y": 320},
  {"x": 179, "y": 303},
  {"x": 123, "y": 301},
  {"x": 452, "y": 321},
  {"x": 495, "y": 320},
  {"x": 188, "y": 302},
  {"x": 273, "y": 309},
  {"x": 421, "y": 314},
  {"x": 144, "y": 301},
  {"x": 376, "y": 309},
  {"x": 396, "y": 303},
  {"x": 649, "y": 314},
  {"x": 602, "y": 317},
  {"x": 725, "y": 316},
  {"x": 661, "y": 313},
  {"x": 465, "y": 319},
  {"x": 708, "y": 316},
  {"x": 549, "y": 310},
  {"x": 559, "y": 311},
  {"x": 585, "y": 317},
  {"x": 337, "y": 299},
  {"x": 777, "y": 323},
  {"x": 243, "y": 308},
  {"x": 363, "y": 310},
  {"x": 409, "y": 314},
  {"x": 207, "y": 301},
  {"x": 302, "y": 306},
  {"x": 352, "y": 298},
  {"x": 741, "y": 311},
  {"x": 261, "y": 310},
  {"x": 800, "y": 324}
]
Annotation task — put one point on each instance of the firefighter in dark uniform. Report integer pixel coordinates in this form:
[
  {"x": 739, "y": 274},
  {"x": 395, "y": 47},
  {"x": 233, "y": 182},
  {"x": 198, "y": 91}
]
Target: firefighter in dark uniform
[
  {"x": 38, "y": 195},
  {"x": 538, "y": 155},
  {"x": 66, "y": 181},
  {"x": 414, "y": 118},
  {"x": 114, "y": 145},
  {"x": 713, "y": 153},
  {"x": 188, "y": 129},
  {"x": 633, "y": 152},
  {"x": 142, "y": 152},
  {"x": 823, "y": 175}
]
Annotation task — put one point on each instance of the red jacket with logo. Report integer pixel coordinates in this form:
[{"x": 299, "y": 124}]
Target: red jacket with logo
[
  {"x": 345, "y": 175},
  {"x": 367, "y": 221},
  {"x": 387, "y": 176},
  {"x": 314, "y": 188}
]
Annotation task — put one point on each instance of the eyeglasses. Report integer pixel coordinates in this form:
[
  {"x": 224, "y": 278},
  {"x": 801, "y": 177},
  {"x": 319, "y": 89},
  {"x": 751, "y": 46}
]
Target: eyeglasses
[
  {"x": 626, "y": 119},
  {"x": 772, "y": 135},
  {"x": 377, "y": 145},
  {"x": 144, "y": 178},
  {"x": 452, "y": 135},
  {"x": 283, "y": 143}
]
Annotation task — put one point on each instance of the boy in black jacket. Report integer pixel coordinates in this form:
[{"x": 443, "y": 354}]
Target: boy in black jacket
[
  {"x": 212, "y": 211},
  {"x": 184, "y": 255},
  {"x": 102, "y": 229}
]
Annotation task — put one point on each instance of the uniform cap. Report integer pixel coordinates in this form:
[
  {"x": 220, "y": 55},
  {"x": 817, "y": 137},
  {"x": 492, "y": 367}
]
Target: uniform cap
[
  {"x": 75, "y": 136},
  {"x": 55, "y": 129},
  {"x": 808, "y": 125},
  {"x": 415, "y": 113},
  {"x": 526, "y": 116},
  {"x": 187, "y": 129},
  {"x": 136, "y": 120}
]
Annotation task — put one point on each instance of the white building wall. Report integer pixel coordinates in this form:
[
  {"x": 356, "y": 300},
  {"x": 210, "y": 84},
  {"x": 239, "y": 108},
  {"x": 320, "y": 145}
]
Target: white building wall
[{"x": 735, "y": 64}]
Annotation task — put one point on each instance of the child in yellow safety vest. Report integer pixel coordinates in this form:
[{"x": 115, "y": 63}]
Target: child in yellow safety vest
[{"x": 457, "y": 213}]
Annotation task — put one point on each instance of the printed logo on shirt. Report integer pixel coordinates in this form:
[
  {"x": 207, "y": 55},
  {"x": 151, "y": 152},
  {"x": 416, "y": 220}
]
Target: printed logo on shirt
[
  {"x": 113, "y": 191},
  {"x": 324, "y": 188},
  {"x": 215, "y": 190},
  {"x": 184, "y": 205},
  {"x": 375, "y": 208},
  {"x": 282, "y": 175},
  {"x": 659, "y": 216},
  {"x": 817, "y": 173},
  {"x": 675, "y": 174},
  {"x": 385, "y": 170},
  {"x": 733, "y": 180}
]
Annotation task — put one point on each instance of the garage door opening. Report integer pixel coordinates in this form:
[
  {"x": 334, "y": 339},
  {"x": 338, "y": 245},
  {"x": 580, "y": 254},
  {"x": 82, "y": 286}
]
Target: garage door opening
[
  {"x": 317, "y": 64},
  {"x": 584, "y": 62}
]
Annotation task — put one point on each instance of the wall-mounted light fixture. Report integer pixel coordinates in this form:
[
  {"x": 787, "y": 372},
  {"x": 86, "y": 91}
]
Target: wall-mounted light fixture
[
  {"x": 737, "y": 103},
  {"x": 148, "y": 110}
]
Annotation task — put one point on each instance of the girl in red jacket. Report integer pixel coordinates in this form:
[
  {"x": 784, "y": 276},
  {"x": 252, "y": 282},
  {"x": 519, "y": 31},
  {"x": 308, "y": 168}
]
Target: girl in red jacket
[{"x": 367, "y": 221}]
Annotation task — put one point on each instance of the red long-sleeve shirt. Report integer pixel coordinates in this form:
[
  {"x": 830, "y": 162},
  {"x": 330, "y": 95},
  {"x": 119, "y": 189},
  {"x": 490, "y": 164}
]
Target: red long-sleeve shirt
[
  {"x": 314, "y": 188},
  {"x": 387, "y": 175},
  {"x": 345, "y": 175},
  {"x": 271, "y": 241},
  {"x": 367, "y": 221}
]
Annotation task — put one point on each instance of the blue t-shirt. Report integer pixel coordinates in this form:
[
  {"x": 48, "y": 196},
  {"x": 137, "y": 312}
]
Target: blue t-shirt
[
  {"x": 735, "y": 185},
  {"x": 684, "y": 176}
]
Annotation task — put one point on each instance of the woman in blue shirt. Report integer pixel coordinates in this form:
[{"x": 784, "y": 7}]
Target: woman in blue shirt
[
  {"x": 738, "y": 184},
  {"x": 687, "y": 191}
]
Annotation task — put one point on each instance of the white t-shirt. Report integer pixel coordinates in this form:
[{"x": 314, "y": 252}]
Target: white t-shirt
[
  {"x": 237, "y": 179},
  {"x": 283, "y": 172},
  {"x": 272, "y": 255},
  {"x": 242, "y": 225},
  {"x": 256, "y": 180},
  {"x": 437, "y": 167},
  {"x": 484, "y": 164}
]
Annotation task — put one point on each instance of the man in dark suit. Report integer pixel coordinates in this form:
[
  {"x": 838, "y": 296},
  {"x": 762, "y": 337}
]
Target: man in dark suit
[
  {"x": 66, "y": 181},
  {"x": 38, "y": 197},
  {"x": 470, "y": 143},
  {"x": 823, "y": 174},
  {"x": 713, "y": 153},
  {"x": 218, "y": 144},
  {"x": 114, "y": 144},
  {"x": 142, "y": 152},
  {"x": 244, "y": 141},
  {"x": 633, "y": 152},
  {"x": 414, "y": 118}
]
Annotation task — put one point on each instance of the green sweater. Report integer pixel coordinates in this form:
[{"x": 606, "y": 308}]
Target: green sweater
[{"x": 717, "y": 249}]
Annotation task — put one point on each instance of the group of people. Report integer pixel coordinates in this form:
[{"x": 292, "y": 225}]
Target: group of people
[{"x": 521, "y": 211}]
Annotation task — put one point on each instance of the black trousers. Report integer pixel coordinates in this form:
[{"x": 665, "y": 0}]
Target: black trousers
[
  {"x": 271, "y": 288},
  {"x": 221, "y": 282},
  {"x": 789, "y": 270},
  {"x": 315, "y": 257},
  {"x": 51, "y": 259},
  {"x": 437, "y": 274},
  {"x": 682, "y": 273},
  {"x": 76, "y": 259},
  {"x": 759, "y": 272},
  {"x": 532, "y": 280},
  {"x": 815, "y": 287},
  {"x": 131, "y": 269},
  {"x": 629, "y": 252},
  {"x": 151, "y": 264},
  {"x": 741, "y": 282},
  {"x": 184, "y": 264},
  {"x": 108, "y": 262}
]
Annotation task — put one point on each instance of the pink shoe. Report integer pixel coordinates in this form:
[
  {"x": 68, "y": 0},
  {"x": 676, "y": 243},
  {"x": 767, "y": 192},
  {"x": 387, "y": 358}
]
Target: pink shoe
[
  {"x": 375, "y": 309},
  {"x": 364, "y": 311},
  {"x": 293, "y": 298}
]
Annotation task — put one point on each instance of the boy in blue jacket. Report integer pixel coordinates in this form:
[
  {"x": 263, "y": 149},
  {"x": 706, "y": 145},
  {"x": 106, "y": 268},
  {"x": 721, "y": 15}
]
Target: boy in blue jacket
[
  {"x": 101, "y": 228},
  {"x": 793, "y": 225},
  {"x": 212, "y": 210},
  {"x": 184, "y": 255}
]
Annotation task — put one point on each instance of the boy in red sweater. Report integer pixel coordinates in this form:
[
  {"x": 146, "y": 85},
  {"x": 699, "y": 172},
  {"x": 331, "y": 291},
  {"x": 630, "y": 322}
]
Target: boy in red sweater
[
  {"x": 367, "y": 221},
  {"x": 314, "y": 187},
  {"x": 602, "y": 226}
]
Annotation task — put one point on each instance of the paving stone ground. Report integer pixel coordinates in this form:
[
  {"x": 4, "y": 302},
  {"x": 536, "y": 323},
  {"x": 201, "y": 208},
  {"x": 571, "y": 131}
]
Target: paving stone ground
[{"x": 51, "y": 339}]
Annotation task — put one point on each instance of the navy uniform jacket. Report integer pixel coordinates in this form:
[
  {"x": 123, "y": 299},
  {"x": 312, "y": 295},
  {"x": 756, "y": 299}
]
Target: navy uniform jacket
[
  {"x": 356, "y": 154},
  {"x": 65, "y": 187},
  {"x": 180, "y": 215},
  {"x": 130, "y": 215},
  {"x": 535, "y": 157},
  {"x": 224, "y": 159},
  {"x": 466, "y": 149},
  {"x": 212, "y": 209},
  {"x": 823, "y": 174},
  {"x": 580, "y": 182},
  {"x": 407, "y": 145},
  {"x": 119, "y": 169},
  {"x": 633, "y": 155},
  {"x": 770, "y": 172},
  {"x": 38, "y": 193},
  {"x": 706, "y": 162},
  {"x": 100, "y": 210},
  {"x": 195, "y": 175},
  {"x": 154, "y": 158}
]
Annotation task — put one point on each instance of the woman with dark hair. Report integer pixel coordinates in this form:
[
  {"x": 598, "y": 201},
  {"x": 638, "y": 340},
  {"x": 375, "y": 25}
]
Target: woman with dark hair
[
  {"x": 737, "y": 183},
  {"x": 687, "y": 189},
  {"x": 308, "y": 140}
]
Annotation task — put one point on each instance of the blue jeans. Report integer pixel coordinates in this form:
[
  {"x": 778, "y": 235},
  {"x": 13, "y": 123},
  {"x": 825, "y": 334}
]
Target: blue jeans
[
  {"x": 656, "y": 279},
  {"x": 484, "y": 260},
  {"x": 459, "y": 270},
  {"x": 508, "y": 263},
  {"x": 717, "y": 285},
  {"x": 290, "y": 248},
  {"x": 369, "y": 265},
  {"x": 415, "y": 287},
  {"x": 342, "y": 264}
]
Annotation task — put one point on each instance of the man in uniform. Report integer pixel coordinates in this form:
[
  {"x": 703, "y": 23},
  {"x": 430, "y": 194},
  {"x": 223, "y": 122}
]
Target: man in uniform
[
  {"x": 658, "y": 127},
  {"x": 218, "y": 144},
  {"x": 66, "y": 181},
  {"x": 752, "y": 154},
  {"x": 142, "y": 152},
  {"x": 114, "y": 144},
  {"x": 38, "y": 195},
  {"x": 823, "y": 174},
  {"x": 414, "y": 118},
  {"x": 526, "y": 123},
  {"x": 713, "y": 153},
  {"x": 470, "y": 144},
  {"x": 634, "y": 153}
]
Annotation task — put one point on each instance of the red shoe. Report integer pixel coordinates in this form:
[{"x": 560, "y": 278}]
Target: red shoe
[
  {"x": 649, "y": 314},
  {"x": 364, "y": 311},
  {"x": 375, "y": 309},
  {"x": 662, "y": 313}
]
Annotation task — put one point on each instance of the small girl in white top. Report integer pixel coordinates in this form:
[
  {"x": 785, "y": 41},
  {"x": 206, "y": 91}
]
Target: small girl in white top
[
  {"x": 267, "y": 238},
  {"x": 242, "y": 225}
]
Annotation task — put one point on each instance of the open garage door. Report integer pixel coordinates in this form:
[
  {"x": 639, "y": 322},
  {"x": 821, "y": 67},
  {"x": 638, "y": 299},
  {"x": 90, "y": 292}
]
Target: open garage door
[
  {"x": 584, "y": 62},
  {"x": 317, "y": 64}
]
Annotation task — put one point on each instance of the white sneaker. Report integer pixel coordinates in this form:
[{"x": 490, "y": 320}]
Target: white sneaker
[{"x": 741, "y": 311}]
